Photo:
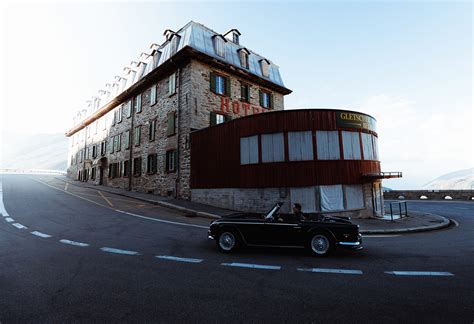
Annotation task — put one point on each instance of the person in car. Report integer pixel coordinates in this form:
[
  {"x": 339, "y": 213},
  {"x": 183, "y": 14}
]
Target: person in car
[{"x": 298, "y": 213}]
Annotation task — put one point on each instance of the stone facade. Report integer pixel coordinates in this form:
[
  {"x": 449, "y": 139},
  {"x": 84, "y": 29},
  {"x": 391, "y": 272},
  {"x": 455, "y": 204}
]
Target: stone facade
[{"x": 192, "y": 103}]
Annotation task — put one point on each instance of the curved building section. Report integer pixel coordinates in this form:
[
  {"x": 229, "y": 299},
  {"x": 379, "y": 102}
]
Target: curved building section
[{"x": 326, "y": 160}]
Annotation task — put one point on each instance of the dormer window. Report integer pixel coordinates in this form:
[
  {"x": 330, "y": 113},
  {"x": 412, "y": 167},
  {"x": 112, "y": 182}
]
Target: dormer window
[
  {"x": 219, "y": 45},
  {"x": 233, "y": 36},
  {"x": 265, "y": 65},
  {"x": 174, "y": 44},
  {"x": 244, "y": 57}
]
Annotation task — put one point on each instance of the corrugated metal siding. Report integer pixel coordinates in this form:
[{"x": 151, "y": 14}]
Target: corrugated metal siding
[{"x": 215, "y": 155}]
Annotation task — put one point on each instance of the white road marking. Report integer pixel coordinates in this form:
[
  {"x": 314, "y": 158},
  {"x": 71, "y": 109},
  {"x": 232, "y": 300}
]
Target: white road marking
[
  {"x": 73, "y": 243},
  {"x": 119, "y": 251},
  {"x": 40, "y": 234},
  {"x": 65, "y": 187},
  {"x": 380, "y": 236},
  {"x": 19, "y": 226},
  {"x": 124, "y": 212},
  {"x": 173, "y": 258},
  {"x": 461, "y": 208},
  {"x": 9, "y": 219},
  {"x": 418, "y": 273},
  {"x": 323, "y": 270},
  {"x": 160, "y": 220},
  {"x": 252, "y": 266},
  {"x": 3, "y": 211}
]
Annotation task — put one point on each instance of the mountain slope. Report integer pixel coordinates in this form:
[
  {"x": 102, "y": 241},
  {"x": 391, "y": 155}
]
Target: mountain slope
[
  {"x": 462, "y": 179},
  {"x": 42, "y": 151}
]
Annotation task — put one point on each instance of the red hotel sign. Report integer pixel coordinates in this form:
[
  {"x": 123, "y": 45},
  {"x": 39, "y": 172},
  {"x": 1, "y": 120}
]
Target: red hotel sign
[{"x": 239, "y": 108}]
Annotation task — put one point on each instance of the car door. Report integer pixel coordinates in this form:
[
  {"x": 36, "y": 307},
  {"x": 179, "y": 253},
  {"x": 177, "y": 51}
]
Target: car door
[{"x": 284, "y": 233}]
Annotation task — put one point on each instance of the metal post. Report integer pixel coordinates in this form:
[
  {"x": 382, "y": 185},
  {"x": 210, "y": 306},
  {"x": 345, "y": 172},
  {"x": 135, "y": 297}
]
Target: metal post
[{"x": 391, "y": 211}]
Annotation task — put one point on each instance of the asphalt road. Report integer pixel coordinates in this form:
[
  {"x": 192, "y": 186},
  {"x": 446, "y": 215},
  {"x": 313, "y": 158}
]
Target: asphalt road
[{"x": 70, "y": 253}]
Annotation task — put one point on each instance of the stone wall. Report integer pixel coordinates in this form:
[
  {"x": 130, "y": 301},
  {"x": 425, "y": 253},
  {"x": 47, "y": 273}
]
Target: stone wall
[{"x": 193, "y": 103}]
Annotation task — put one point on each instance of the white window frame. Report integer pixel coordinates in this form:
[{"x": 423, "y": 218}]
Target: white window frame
[
  {"x": 172, "y": 84},
  {"x": 153, "y": 95},
  {"x": 249, "y": 150}
]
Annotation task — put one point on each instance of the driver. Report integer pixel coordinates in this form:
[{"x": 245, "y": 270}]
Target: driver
[{"x": 298, "y": 213}]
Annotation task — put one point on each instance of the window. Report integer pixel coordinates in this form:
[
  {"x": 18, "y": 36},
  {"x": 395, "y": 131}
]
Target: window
[
  {"x": 249, "y": 150},
  {"x": 94, "y": 151},
  {"x": 354, "y": 196},
  {"x": 127, "y": 140},
  {"x": 96, "y": 127},
  {"x": 174, "y": 43},
  {"x": 351, "y": 145},
  {"x": 120, "y": 169},
  {"x": 300, "y": 146},
  {"x": 244, "y": 58},
  {"x": 137, "y": 135},
  {"x": 128, "y": 109},
  {"x": 244, "y": 92},
  {"x": 93, "y": 173},
  {"x": 88, "y": 131},
  {"x": 151, "y": 165},
  {"x": 153, "y": 95},
  {"x": 273, "y": 148},
  {"x": 112, "y": 145},
  {"x": 171, "y": 124},
  {"x": 327, "y": 143},
  {"x": 376, "y": 148},
  {"x": 220, "y": 84},
  {"x": 126, "y": 168},
  {"x": 118, "y": 113},
  {"x": 266, "y": 99},
  {"x": 172, "y": 84},
  {"x": 137, "y": 166},
  {"x": 103, "y": 148},
  {"x": 331, "y": 198},
  {"x": 367, "y": 146},
  {"x": 217, "y": 118},
  {"x": 118, "y": 142},
  {"x": 138, "y": 103},
  {"x": 265, "y": 65},
  {"x": 219, "y": 45},
  {"x": 171, "y": 157},
  {"x": 152, "y": 130}
]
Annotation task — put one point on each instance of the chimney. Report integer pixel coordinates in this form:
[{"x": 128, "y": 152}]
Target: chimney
[{"x": 168, "y": 34}]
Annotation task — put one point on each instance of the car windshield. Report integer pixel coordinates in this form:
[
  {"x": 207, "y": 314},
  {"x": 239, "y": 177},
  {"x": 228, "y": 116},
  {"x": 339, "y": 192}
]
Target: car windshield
[{"x": 271, "y": 214}]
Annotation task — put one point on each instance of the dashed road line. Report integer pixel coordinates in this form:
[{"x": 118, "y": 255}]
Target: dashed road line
[
  {"x": 105, "y": 198},
  {"x": 74, "y": 243},
  {"x": 3, "y": 211},
  {"x": 173, "y": 258},
  {"x": 380, "y": 236},
  {"x": 324, "y": 270},
  {"x": 252, "y": 266},
  {"x": 9, "y": 219},
  {"x": 118, "y": 251},
  {"x": 418, "y": 273},
  {"x": 65, "y": 187},
  {"x": 19, "y": 226},
  {"x": 40, "y": 234}
]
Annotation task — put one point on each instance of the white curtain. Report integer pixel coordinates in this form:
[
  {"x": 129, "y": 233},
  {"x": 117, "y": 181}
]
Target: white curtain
[
  {"x": 327, "y": 143},
  {"x": 306, "y": 197},
  {"x": 354, "y": 197},
  {"x": 273, "y": 148},
  {"x": 367, "y": 146},
  {"x": 300, "y": 146},
  {"x": 351, "y": 145},
  {"x": 249, "y": 150},
  {"x": 331, "y": 198}
]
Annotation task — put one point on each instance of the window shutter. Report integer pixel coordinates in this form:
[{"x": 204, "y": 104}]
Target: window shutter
[
  {"x": 171, "y": 124},
  {"x": 175, "y": 157},
  {"x": 260, "y": 96},
  {"x": 213, "y": 119},
  {"x": 213, "y": 82},
  {"x": 227, "y": 118},
  {"x": 270, "y": 95},
  {"x": 227, "y": 87}
]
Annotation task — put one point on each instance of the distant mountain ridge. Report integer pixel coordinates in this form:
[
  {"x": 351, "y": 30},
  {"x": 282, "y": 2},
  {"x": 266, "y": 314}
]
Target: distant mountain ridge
[
  {"x": 39, "y": 151},
  {"x": 462, "y": 179}
]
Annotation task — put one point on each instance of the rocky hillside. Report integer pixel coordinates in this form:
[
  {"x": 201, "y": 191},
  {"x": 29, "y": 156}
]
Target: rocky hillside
[
  {"x": 42, "y": 151},
  {"x": 463, "y": 179}
]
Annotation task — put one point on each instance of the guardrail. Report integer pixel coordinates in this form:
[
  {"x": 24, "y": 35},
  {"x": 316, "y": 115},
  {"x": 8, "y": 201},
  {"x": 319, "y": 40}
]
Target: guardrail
[
  {"x": 400, "y": 210},
  {"x": 32, "y": 171}
]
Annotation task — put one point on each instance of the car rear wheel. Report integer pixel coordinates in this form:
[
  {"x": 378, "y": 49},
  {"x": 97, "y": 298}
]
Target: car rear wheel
[
  {"x": 228, "y": 241},
  {"x": 320, "y": 245}
]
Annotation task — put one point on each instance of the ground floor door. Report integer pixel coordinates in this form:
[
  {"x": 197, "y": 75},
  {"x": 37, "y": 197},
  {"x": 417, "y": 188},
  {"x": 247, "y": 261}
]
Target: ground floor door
[
  {"x": 377, "y": 199},
  {"x": 101, "y": 175}
]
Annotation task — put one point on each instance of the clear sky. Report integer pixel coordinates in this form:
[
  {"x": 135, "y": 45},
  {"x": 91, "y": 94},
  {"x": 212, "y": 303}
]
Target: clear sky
[{"x": 408, "y": 64}]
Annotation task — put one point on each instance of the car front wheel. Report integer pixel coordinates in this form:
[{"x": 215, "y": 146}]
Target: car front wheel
[
  {"x": 228, "y": 241},
  {"x": 320, "y": 245}
]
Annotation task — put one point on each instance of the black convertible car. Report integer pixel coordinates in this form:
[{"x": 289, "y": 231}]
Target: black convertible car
[{"x": 318, "y": 233}]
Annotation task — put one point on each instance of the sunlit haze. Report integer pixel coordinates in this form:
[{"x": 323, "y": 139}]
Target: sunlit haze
[{"x": 407, "y": 64}]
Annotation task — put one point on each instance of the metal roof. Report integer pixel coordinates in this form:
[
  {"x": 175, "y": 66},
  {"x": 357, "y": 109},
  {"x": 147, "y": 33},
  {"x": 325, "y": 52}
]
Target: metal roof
[{"x": 194, "y": 35}]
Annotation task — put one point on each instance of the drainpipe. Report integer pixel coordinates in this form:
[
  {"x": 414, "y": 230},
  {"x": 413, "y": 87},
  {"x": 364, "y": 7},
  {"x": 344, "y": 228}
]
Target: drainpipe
[
  {"x": 177, "y": 127},
  {"x": 131, "y": 143}
]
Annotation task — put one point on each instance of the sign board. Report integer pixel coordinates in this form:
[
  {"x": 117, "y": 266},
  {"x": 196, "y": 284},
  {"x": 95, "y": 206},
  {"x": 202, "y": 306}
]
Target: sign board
[{"x": 349, "y": 119}]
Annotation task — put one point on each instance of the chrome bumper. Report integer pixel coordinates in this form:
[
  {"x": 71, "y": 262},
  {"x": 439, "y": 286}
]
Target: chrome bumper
[{"x": 349, "y": 243}]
